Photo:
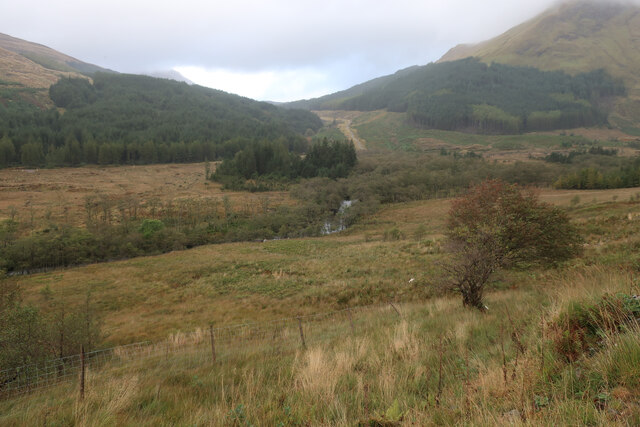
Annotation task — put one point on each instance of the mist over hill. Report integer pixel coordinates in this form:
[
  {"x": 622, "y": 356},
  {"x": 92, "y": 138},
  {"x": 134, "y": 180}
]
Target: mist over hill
[{"x": 576, "y": 38}]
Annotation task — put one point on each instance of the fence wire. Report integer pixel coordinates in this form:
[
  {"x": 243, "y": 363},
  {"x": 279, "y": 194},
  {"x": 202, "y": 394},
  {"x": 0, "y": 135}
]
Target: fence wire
[{"x": 223, "y": 342}]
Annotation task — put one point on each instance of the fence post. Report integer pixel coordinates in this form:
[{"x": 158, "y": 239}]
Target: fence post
[
  {"x": 82, "y": 372},
  {"x": 213, "y": 343},
  {"x": 353, "y": 329},
  {"x": 304, "y": 345},
  {"x": 394, "y": 307}
]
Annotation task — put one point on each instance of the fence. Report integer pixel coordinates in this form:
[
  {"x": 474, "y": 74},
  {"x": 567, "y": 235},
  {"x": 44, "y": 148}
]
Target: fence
[{"x": 212, "y": 343}]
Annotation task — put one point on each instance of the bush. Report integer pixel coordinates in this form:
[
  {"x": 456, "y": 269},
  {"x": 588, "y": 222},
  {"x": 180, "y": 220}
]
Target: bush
[{"x": 497, "y": 225}]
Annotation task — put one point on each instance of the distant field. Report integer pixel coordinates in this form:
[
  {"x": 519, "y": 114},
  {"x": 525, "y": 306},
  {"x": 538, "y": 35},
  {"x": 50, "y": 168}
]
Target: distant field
[
  {"x": 382, "y": 130},
  {"x": 61, "y": 193}
]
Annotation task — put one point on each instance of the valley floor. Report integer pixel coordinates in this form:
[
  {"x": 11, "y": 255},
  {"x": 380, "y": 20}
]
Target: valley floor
[{"x": 436, "y": 363}]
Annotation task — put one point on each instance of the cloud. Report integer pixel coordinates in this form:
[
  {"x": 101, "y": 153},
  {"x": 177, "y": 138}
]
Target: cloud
[
  {"x": 277, "y": 48},
  {"x": 274, "y": 85},
  {"x": 250, "y": 34}
]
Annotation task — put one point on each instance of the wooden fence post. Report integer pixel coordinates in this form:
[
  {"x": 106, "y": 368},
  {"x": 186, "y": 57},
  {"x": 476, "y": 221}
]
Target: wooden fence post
[
  {"x": 353, "y": 329},
  {"x": 394, "y": 307},
  {"x": 440, "y": 354},
  {"x": 304, "y": 345},
  {"x": 82, "y": 372},
  {"x": 213, "y": 343}
]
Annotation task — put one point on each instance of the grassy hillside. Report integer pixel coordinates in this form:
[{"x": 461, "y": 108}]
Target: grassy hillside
[
  {"x": 46, "y": 57},
  {"x": 28, "y": 69},
  {"x": 576, "y": 36},
  {"x": 149, "y": 297}
]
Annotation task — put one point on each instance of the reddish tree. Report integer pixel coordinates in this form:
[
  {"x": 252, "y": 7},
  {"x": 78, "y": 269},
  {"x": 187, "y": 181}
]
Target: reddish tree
[{"x": 497, "y": 225}]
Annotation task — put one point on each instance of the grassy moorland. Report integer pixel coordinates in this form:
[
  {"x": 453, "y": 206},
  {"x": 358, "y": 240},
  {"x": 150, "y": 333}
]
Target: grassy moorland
[
  {"x": 438, "y": 363},
  {"x": 61, "y": 194}
]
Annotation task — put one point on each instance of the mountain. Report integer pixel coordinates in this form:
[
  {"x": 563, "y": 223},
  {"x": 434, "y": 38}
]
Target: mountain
[
  {"x": 568, "y": 45},
  {"x": 334, "y": 101},
  {"x": 28, "y": 69},
  {"x": 575, "y": 36},
  {"x": 170, "y": 75},
  {"x": 469, "y": 95}
]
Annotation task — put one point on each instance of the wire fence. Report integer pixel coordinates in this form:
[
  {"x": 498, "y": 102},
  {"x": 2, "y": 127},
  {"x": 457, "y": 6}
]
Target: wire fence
[{"x": 209, "y": 343}]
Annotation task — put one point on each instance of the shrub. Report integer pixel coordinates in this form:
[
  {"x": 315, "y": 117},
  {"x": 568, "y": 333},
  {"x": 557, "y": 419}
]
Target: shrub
[{"x": 497, "y": 225}]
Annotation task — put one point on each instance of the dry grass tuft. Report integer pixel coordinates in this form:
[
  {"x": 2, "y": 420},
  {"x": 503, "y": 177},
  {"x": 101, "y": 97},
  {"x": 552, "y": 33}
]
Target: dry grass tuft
[{"x": 106, "y": 399}]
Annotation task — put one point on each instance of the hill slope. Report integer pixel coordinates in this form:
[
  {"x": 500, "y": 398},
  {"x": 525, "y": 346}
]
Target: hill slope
[
  {"x": 576, "y": 36},
  {"x": 28, "y": 69},
  {"x": 336, "y": 100},
  {"x": 469, "y": 95},
  {"x": 46, "y": 57},
  {"x": 119, "y": 118}
]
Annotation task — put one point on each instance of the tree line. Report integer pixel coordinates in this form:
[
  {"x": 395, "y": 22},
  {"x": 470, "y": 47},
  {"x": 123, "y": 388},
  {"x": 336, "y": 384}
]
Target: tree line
[{"x": 595, "y": 169}]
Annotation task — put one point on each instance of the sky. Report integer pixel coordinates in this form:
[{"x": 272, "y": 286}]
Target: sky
[{"x": 276, "y": 50}]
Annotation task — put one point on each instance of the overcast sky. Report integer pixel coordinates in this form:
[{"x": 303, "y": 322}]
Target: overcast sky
[{"x": 277, "y": 50}]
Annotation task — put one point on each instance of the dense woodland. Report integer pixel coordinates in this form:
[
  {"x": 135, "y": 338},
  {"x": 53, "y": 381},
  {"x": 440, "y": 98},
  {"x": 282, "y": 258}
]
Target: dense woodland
[
  {"x": 264, "y": 164},
  {"x": 595, "y": 168},
  {"x": 473, "y": 96},
  {"x": 127, "y": 119}
]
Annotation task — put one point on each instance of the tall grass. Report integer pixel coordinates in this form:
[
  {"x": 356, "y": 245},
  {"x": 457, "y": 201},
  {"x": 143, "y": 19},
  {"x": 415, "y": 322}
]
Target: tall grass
[
  {"x": 437, "y": 363},
  {"x": 434, "y": 364}
]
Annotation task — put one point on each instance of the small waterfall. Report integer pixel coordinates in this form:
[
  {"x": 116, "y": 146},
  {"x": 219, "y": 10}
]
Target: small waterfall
[{"x": 337, "y": 223}]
